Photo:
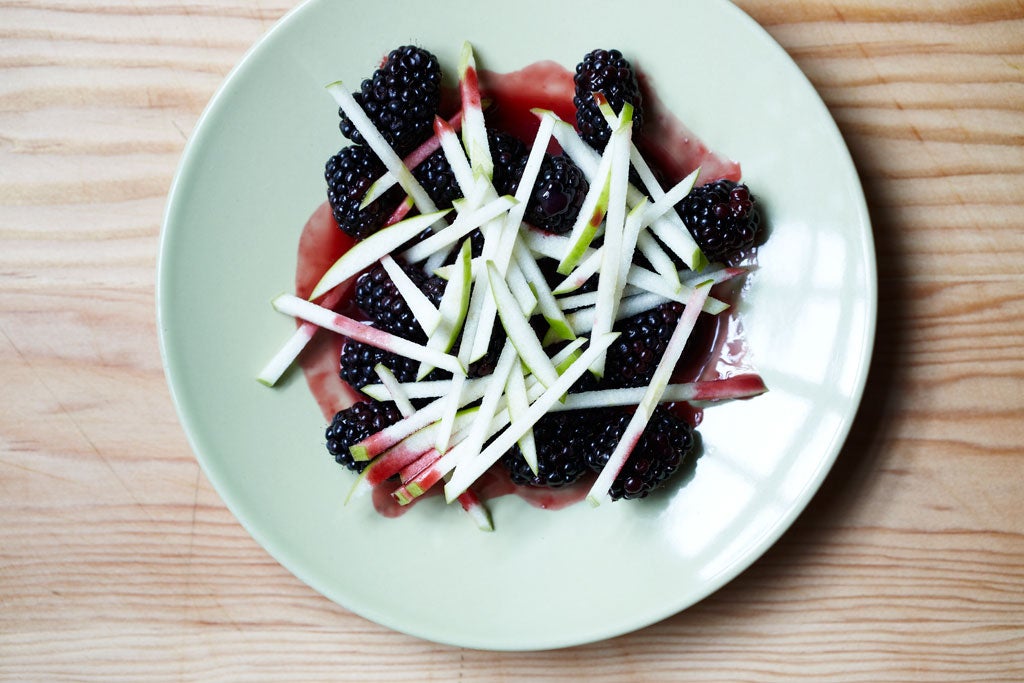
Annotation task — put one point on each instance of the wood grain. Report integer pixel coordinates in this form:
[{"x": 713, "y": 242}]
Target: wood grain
[{"x": 119, "y": 562}]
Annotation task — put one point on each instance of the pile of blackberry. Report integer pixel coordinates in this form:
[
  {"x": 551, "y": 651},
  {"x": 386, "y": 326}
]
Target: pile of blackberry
[
  {"x": 667, "y": 443},
  {"x": 723, "y": 218},
  {"x": 609, "y": 73},
  {"x": 379, "y": 298},
  {"x": 402, "y": 98},
  {"x": 572, "y": 443},
  {"x": 352, "y": 425},
  {"x": 559, "y": 459}
]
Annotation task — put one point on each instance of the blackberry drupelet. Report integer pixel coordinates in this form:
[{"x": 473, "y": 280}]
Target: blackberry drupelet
[
  {"x": 609, "y": 73},
  {"x": 665, "y": 445},
  {"x": 349, "y": 174},
  {"x": 557, "y": 195},
  {"x": 352, "y": 425},
  {"x": 559, "y": 460},
  {"x": 378, "y": 297},
  {"x": 401, "y": 99},
  {"x": 722, "y": 217},
  {"x": 633, "y": 357}
]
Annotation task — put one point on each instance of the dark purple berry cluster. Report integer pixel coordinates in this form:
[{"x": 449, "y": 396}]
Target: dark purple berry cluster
[
  {"x": 358, "y": 362},
  {"x": 641, "y": 343},
  {"x": 560, "y": 461},
  {"x": 558, "y": 194},
  {"x": 349, "y": 174},
  {"x": 352, "y": 425},
  {"x": 665, "y": 445},
  {"x": 723, "y": 218},
  {"x": 378, "y": 296},
  {"x": 609, "y": 73},
  {"x": 401, "y": 99}
]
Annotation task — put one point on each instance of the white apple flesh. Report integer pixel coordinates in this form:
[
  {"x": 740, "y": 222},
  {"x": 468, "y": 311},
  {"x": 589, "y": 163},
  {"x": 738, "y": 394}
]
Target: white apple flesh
[
  {"x": 372, "y": 249},
  {"x": 452, "y": 309},
  {"x": 388, "y": 379},
  {"x": 463, "y": 224},
  {"x": 474, "y": 131},
  {"x": 518, "y": 329}
]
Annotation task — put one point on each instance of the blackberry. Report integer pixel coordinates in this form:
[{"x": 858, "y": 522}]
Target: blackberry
[
  {"x": 722, "y": 217},
  {"x": 349, "y": 174},
  {"x": 485, "y": 364},
  {"x": 557, "y": 195},
  {"x": 665, "y": 445},
  {"x": 358, "y": 361},
  {"x": 633, "y": 357},
  {"x": 508, "y": 154},
  {"x": 433, "y": 287},
  {"x": 401, "y": 99},
  {"x": 609, "y": 73},
  {"x": 436, "y": 176},
  {"x": 559, "y": 461},
  {"x": 378, "y": 297},
  {"x": 476, "y": 243},
  {"x": 352, "y": 425}
]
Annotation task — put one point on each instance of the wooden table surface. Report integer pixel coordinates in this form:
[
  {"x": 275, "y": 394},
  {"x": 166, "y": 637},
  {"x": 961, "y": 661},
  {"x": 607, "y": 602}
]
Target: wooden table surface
[{"x": 119, "y": 562}]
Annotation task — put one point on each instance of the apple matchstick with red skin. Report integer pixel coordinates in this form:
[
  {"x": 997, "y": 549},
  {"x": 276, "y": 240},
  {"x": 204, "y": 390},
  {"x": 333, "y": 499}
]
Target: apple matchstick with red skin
[{"x": 353, "y": 329}]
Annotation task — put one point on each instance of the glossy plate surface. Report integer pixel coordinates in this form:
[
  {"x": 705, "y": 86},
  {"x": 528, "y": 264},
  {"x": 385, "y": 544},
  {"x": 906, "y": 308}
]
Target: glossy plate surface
[{"x": 253, "y": 173}]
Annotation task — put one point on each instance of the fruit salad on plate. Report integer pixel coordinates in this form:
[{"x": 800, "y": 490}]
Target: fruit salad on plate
[{"x": 518, "y": 299}]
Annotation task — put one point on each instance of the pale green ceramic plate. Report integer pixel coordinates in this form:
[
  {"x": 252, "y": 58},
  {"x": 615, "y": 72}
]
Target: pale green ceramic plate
[{"x": 252, "y": 174}]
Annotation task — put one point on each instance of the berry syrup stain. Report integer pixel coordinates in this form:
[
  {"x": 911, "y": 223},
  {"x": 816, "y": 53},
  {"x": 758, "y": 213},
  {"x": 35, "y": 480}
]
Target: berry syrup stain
[
  {"x": 671, "y": 148},
  {"x": 544, "y": 85},
  {"x": 321, "y": 244},
  {"x": 717, "y": 348}
]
